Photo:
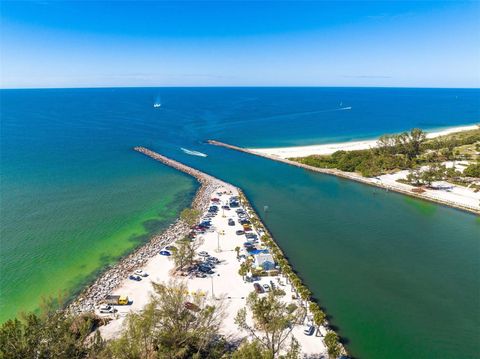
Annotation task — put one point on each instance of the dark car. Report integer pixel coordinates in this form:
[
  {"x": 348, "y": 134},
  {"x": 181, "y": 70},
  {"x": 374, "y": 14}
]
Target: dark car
[
  {"x": 191, "y": 306},
  {"x": 214, "y": 260},
  {"x": 258, "y": 288},
  {"x": 239, "y": 233},
  {"x": 205, "y": 269},
  {"x": 231, "y": 222}
]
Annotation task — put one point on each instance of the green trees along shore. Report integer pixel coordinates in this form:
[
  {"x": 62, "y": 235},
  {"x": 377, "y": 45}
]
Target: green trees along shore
[
  {"x": 408, "y": 150},
  {"x": 166, "y": 328}
]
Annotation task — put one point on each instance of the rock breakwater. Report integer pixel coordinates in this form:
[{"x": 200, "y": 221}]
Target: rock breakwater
[{"x": 111, "y": 278}]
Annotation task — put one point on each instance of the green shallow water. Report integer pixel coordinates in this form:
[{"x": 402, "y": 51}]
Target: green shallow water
[
  {"x": 399, "y": 277},
  {"x": 97, "y": 232}
]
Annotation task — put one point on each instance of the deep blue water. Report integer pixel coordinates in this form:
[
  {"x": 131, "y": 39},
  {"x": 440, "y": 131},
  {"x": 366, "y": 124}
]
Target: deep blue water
[{"x": 397, "y": 276}]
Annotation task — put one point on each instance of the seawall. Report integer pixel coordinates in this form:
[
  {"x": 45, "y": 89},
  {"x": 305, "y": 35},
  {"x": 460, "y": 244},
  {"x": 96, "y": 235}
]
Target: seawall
[{"x": 348, "y": 175}]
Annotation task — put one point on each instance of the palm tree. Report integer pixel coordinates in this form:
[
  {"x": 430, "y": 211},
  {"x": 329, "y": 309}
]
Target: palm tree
[
  {"x": 318, "y": 316},
  {"x": 304, "y": 294},
  {"x": 243, "y": 271},
  {"x": 237, "y": 250}
]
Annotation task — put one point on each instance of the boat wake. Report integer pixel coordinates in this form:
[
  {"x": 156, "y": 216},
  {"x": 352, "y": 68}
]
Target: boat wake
[
  {"x": 344, "y": 108},
  {"x": 193, "y": 153}
]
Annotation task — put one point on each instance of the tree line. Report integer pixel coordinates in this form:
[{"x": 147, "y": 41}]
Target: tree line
[
  {"x": 166, "y": 328},
  {"x": 407, "y": 150}
]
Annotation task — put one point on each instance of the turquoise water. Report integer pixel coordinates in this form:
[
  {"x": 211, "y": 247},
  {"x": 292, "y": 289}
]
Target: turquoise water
[{"x": 399, "y": 277}]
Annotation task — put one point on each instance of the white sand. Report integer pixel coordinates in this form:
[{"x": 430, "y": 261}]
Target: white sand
[
  {"x": 226, "y": 283},
  {"x": 327, "y": 149},
  {"x": 446, "y": 192}
]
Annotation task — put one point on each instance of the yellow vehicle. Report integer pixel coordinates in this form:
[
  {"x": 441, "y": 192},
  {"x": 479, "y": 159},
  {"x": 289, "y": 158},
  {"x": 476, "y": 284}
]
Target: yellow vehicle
[{"x": 117, "y": 300}]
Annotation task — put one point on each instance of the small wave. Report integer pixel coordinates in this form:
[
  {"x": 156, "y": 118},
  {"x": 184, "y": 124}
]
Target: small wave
[{"x": 193, "y": 153}]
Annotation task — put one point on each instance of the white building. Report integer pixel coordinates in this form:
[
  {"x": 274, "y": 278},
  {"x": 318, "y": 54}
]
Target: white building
[{"x": 264, "y": 260}]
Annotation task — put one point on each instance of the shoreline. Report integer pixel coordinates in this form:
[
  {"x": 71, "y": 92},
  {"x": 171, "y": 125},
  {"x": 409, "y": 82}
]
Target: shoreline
[
  {"x": 329, "y": 148},
  {"x": 233, "y": 286},
  {"x": 113, "y": 275},
  {"x": 399, "y": 188}
]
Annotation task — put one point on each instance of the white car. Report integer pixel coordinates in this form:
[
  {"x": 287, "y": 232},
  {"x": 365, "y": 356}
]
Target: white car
[
  {"x": 309, "y": 329},
  {"x": 105, "y": 308},
  {"x": 141, "y": 273},
  {"x": 266, "y": 287}
]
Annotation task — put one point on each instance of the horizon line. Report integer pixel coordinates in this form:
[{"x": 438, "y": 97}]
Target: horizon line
[{"x": 233, "y": 86}]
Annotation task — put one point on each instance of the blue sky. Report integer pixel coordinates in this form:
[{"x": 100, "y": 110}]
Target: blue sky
[{"x": 234, "y": 43}]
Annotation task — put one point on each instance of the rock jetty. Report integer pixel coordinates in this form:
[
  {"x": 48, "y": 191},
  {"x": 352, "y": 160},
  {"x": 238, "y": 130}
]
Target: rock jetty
[{"x": 111, "y": 278}]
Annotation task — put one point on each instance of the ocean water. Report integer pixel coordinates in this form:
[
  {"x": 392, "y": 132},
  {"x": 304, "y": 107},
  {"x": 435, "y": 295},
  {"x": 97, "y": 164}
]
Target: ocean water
[{"x": 399, "y": 277}]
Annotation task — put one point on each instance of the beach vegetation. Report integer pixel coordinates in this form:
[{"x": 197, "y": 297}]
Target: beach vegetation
[
  {"x": 407, "y": 150},
  {"x": 255, "y": 350},
  {"x": 272, "y": 321},
  {"x": 167, "y": 328},
  {"x": 186, "y": 252},
  {"x": 473, "y": 170},
  {"x": 190, "y": 216},
  {"x": 49, "y": 334},
  {"x": 333, "y": 347},
  {"x": 319, "y": 316},
  {"x": 243, "y": 271}
]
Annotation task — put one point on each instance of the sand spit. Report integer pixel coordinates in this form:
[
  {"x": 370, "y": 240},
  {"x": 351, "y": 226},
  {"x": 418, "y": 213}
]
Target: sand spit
[
  {"x": 471, "y": 205},
  {"x": 329, "y": 148}
]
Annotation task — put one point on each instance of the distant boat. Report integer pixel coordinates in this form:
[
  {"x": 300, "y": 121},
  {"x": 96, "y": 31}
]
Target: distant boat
[
  {"x": 158, "y": 102},
  {"x": 193, "y": 153}
]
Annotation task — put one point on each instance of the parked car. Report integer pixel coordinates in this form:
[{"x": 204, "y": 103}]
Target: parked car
[
  {"x": 213, "y": 260},
  {"x": 200, "y": 275},
  {"x": 135, "y": 277},
  {"x": 203, "y": 254},
  {"x": 309, "y": 329},
  {"x": 266, "y": 287},
  {"x": 105, "y": 308},
  {"x": 239, "y": 233},
  {"x": 191, "y": 306},
  {"x": 206, "y": 270},
  {"x": 140, "y": 273},
  {"x": 116, "y": 299},
  {"x": 231, "y": 222},
  {"x": 258, "y": 288},
  {"x": 208, "y": 265}
]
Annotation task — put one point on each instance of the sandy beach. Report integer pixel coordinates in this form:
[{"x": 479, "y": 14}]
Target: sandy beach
[
  {"x": 225, "y": 285},
  {"x": 329, "y": 148},
  {"x": 453, "y": 195}
]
